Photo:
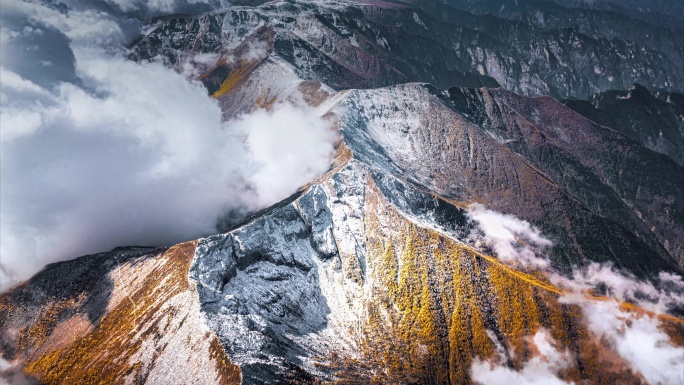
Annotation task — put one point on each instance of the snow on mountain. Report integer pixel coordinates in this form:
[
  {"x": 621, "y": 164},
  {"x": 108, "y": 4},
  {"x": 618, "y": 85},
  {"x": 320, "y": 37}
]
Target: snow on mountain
[{"x": 377, "y": 271}]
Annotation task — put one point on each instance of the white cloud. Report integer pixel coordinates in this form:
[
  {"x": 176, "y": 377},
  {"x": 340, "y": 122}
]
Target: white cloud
[
  {"x": 511, "y": 239},
  {"x": 540, "y": 370},
  {"x": 288, "y": 144},
  {"x": 634, "y": 336},
  {"x": 674, "y": 281},
  {"x": 112, "y": 152},
  {"x": 625, "y": 287},
  {"x": 155, "y": 7},
  {"x": 256, "y": 50},
  {"x": 199, "y": 64}
]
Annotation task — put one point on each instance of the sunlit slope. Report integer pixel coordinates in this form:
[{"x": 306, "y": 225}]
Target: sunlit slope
[
  {"x": 361, "y": 277},
  {"x": 129, "y": 316},
  {"x": 368, "y": 44},
  {"x": 370, "y": 273},
  {"x": 341, "y": 285},
  {"x": 530, "y": 157}
]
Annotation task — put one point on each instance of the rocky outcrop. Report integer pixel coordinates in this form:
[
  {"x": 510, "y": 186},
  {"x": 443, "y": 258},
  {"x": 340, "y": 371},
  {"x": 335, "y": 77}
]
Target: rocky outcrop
[
  {"x": 530, "y": 157},
  {"x": 372, "y": 272},
  {"x": 364, "y": 278}
]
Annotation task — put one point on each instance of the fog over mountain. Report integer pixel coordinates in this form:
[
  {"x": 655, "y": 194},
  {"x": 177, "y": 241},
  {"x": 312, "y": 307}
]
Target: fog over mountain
[
  {"x": 350, "y": 191},
  {"x": 92, "y": 160}
]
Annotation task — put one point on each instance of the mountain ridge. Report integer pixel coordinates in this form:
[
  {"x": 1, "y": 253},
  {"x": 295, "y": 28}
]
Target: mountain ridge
[
  {"x": 391, "y": 35},
  {"x": 380, "y": 270}
]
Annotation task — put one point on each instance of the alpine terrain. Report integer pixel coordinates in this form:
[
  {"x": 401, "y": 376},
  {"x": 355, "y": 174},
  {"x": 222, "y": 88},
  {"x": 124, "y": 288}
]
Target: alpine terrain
[{"x": 505, "y": 205}]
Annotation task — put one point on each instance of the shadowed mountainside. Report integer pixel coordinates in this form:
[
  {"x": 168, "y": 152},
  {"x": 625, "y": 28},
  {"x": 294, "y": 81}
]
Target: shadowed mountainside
[{"x": 369, "y": 44}]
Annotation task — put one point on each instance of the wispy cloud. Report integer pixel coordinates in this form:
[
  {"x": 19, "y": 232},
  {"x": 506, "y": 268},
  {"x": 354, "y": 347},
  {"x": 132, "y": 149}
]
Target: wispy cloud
[
  {"x": 11, "y": 373},
  {"x": 635, "y": 336},
  {"x": 540, "y": 370},
  {"x": 512, "y": 240}
]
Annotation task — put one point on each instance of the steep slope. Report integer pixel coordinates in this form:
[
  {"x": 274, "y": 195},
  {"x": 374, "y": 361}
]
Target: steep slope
[
  {"x": 530, "y": 157},
  {"x": 127, "y": 316},
  {"x": 377, "y": 272},
  {"x": 372, "y": 273},
  {"x": 659, "y": 13},
  {"x": 663, "y": 12},
  {"x": 360, "y": 278},
  {"x": 351, "y": 44},
  {"x": 654, "y": 120},
  {"x": 342, "y": 284},
  {"x": 596, "y": 23}
]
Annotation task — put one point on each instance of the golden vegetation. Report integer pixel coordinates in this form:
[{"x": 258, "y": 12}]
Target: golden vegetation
[
  {"x": 228, "y": 373},
  {"x": 265, "y": 100},
  {"x": 437, "y": 305},
  {"x": 236, "y": 77},
  {"x": 104, "y": 355},
  {"x": 36, "y": 334}
]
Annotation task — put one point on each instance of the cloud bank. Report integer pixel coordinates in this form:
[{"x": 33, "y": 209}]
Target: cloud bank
[
  {"x": 635, "y": 336},
  {"x": 98, "y": 151}
]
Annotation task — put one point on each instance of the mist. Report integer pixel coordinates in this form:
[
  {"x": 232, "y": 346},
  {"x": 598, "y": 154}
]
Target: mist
[
  {"x": 99, "y": 152},
  {"x": 635, "y": 336},
  {"x": 512, "y": 240},
  {"x": 539, "y": 370}
]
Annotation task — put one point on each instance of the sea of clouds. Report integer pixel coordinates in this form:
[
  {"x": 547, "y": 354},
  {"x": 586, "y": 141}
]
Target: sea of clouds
[{"x": 98, "y": 151}]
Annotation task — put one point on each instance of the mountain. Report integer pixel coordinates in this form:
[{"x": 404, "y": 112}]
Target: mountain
[
  {"x": 654, "y": 120},
  {"x": 370, "y": 44},
  {"x": 378, "y": 271},
  {"x": 659, "y": 13}
]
